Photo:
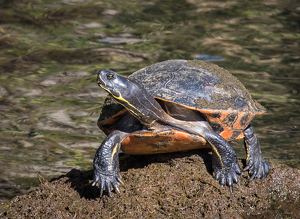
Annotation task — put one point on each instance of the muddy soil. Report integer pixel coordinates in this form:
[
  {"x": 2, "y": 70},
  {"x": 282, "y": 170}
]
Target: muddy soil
[{"x": 177, "y": 185}]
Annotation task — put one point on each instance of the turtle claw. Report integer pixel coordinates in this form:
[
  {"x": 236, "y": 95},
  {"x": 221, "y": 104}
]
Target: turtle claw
[
  {"x": 228, "y": 177},
  {"x": 258, "y": 167},
  {"x": 107, "y": 182},
  {"x": 116, "y": 188}
]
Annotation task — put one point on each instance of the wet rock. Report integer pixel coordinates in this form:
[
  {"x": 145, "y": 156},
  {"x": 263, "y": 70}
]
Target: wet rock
[
  {"x": 177, "y": 185},
  {"x": 62, "y": 117},
  {"x": 26, "y": 143},
  {"x": 63, "y": 78},
  {"x": 3, "y": 92}
]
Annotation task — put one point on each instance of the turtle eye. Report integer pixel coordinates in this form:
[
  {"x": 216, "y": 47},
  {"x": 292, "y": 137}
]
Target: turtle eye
[{"x": 110, "y": 76}]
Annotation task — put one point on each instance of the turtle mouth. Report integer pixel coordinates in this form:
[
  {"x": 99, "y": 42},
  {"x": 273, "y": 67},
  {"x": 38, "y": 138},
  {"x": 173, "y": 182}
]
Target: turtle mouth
[{"x": 99, "y": 81}]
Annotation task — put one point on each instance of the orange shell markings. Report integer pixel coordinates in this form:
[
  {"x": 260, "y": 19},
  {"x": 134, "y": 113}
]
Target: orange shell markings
[
  {"x": 158, "y": 142},
  {"x": 228, "y": 131}
]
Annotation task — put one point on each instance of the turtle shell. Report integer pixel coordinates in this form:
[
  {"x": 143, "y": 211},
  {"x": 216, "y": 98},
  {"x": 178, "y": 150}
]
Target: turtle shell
[
  {"x": 195, "y": 85},
  {"x": 205, "y": 87}
]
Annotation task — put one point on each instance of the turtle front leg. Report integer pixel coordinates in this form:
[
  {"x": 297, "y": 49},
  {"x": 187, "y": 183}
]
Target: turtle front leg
[
  {"x": 106, "y": 162},
  {"x": 224, "y": 160},
  {"x": 256, "y": 164}
]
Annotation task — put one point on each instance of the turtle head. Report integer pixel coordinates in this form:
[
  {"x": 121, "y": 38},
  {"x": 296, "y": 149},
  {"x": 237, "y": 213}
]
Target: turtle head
[
  {"x": 119, "y": 87},
  {"x": 132, "y": 96},
  {"x": 116, "y": 85}
]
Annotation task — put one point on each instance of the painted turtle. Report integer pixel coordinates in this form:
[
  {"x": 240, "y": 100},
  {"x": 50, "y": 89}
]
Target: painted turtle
[{"x": 177, "y": 105}]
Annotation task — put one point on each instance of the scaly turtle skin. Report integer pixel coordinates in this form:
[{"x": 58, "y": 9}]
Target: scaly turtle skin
[{"x": 177, "y": 105}]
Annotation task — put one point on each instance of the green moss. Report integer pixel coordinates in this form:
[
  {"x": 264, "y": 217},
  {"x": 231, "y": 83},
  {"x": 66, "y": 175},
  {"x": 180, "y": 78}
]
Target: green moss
[
  {"x": 228, "y": 83},
  {"x": 153, "y": 188}
]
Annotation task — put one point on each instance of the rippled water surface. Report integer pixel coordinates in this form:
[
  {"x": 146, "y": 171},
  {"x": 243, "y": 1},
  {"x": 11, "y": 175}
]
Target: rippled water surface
[{"x": 50, "y": 52}]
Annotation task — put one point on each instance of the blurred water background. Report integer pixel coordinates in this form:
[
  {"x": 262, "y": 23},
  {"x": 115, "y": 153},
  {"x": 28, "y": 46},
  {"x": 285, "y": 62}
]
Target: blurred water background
[{"x": 50, "y": 52}]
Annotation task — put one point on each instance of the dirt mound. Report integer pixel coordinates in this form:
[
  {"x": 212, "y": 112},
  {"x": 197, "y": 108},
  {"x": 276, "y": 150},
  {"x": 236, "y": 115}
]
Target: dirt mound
[{"x": 178, "y": 185}]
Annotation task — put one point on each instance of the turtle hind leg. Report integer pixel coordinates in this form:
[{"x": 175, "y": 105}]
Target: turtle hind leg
[
  {"x": 225, "y": 165},
  {"x": 256, "y": 164}
]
